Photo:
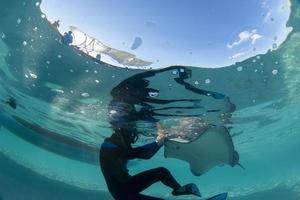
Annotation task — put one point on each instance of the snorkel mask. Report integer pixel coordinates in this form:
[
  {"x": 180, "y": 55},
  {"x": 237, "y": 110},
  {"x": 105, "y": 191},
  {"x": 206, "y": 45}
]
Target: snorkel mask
[{"x": 128, "y": 130}]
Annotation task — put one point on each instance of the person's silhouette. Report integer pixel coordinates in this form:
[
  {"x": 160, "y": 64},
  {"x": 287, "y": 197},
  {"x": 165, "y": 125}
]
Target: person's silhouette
[
  {"x": 135, "y": 91},
  {"x": 114, "y": 155}
]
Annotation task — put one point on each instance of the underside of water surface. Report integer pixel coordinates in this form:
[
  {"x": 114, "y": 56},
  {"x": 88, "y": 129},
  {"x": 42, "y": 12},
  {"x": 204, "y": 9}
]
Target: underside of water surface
[{"x": 49, "y": 144}]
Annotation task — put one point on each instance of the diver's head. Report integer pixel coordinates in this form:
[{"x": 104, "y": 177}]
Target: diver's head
[{"x": 127, "y": 130}]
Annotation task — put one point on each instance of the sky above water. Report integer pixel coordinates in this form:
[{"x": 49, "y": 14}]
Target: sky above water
[{"x": 206, "y": 33}]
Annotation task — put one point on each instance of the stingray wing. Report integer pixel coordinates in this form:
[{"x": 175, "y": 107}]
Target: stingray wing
[{"x": 212, "y": 148}]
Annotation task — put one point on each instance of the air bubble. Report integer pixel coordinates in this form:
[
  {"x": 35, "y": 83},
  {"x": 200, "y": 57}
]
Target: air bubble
[
  {"x": 24, "y": 43},
  {"x": 96, "y": 72},
  {"x": 254, "y": 61},
  {"x": 48, "y": 62},
  {"x": 207, "y": 81},
  {"x": 153, "y": 94},
  {"x": 174, "y": 72},
  {"x": 239, "y": 68},
  {"x": 181, "y": 70},
  {"x": 2, "y": 35},
  {"x": 35, "y": 28},
  {"x": 58, "y": 90},
  {"x": 85, "y": 94},
  {"x": 19, "y": 21},
  {"x": 86, "y": 70},
  {"x": 196, "y": 82},
  {"x": 112, "y": 112},
  {"x": 33, "y": 75},
  {"x": 274, "y": 71},
  {"x": 71, "y": 70},
  {"x": 59, "y": 56},
  {"x": 43, "y": 16},
  {"x": 97, "y": 81},
  {"x": 37, "y": 3}
]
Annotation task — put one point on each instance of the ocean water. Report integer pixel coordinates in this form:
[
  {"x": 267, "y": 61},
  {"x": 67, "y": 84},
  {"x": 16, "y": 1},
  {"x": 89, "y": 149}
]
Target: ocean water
[{"x": 49, "y": 144}]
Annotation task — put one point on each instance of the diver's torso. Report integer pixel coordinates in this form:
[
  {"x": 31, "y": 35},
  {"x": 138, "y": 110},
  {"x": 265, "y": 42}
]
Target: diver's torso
[{"x": 113, "y": 163}]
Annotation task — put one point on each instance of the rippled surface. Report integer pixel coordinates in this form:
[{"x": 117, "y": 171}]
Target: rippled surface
[{"x": 62, "y": 117}]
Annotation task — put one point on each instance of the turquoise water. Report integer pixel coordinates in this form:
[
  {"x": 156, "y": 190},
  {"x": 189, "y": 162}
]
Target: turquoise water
[{"x": 49, "y": 145}]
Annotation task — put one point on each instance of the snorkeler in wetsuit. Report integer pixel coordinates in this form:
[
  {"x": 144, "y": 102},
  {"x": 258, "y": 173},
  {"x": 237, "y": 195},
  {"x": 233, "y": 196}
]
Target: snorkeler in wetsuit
[
  {"x": 117, "y": 150},
  {"x": 67, "y": 38}
]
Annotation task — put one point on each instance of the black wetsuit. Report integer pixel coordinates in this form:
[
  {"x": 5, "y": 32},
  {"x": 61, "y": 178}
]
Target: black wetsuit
[{"x": 115, "y": 153}]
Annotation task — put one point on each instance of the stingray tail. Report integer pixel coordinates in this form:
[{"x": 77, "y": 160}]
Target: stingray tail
[{"x": 239, "y": 164}]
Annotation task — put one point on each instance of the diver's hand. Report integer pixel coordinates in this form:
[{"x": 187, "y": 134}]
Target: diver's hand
[{"x": 162, "y": 133}]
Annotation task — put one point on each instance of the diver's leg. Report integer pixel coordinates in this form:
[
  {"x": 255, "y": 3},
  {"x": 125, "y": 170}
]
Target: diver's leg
[{"x": 143, "y": 180}]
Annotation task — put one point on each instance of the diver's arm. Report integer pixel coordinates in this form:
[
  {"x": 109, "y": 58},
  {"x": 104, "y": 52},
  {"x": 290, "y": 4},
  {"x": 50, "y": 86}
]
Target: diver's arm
[
  {"x": 167, "y": 101},
  {"x": 197, "y": 90},
  {"x": 148, "y": 151},
  {"x": 144, "y": 152},
  {"x": 181, "y": 69}
]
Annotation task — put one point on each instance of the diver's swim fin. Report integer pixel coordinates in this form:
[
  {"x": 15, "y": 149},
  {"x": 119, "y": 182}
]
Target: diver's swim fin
[{"x": 188, "y": 189}]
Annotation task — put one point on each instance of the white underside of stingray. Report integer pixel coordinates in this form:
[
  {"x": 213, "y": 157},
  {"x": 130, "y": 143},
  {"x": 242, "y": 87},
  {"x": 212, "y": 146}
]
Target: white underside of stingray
[{"x": 214, "y": 147}]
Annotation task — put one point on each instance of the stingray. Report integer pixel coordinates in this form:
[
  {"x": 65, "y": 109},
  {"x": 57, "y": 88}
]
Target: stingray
[{"x": 213, "y": 147}]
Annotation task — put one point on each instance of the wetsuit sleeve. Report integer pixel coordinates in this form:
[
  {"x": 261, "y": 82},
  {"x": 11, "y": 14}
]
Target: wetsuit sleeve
[{"x": 144, "y": 152}]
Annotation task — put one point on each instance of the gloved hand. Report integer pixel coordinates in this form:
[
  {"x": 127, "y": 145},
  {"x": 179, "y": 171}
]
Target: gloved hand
[{"x": 162, "y": 133}]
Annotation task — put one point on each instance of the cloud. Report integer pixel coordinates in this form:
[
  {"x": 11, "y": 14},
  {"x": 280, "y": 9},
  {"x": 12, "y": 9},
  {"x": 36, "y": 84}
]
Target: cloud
[
  {"x": 237, "y": 55},
  {"x": 246, "y": 36},
  {"x": 265, "y": 4},
  {"x": 254, "y": 38},
  {"x": 268, "y": 16}
]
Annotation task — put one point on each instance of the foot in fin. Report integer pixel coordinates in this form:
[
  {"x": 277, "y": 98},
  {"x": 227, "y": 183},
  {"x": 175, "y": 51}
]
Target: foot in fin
[{"x": 188, "y": 189}]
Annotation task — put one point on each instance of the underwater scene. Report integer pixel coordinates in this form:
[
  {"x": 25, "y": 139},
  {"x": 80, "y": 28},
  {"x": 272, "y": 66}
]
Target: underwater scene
[{"x": 81, "y": 119}]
